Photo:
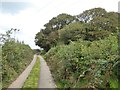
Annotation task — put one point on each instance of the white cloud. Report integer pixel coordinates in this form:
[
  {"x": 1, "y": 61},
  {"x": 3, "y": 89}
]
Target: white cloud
[{"x": 32, "y": 19}]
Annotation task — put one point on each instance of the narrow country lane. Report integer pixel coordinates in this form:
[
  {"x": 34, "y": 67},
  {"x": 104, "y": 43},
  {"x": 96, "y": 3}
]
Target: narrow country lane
[
  {"x": 18, "y": 83},
  {"x": 46, "y": 80}
]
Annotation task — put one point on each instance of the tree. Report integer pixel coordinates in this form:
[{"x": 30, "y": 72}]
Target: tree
[
  {"x": 72, "y": 32},
  {"x": 102, "y": 26},
  {"x": 58, "y": 22},
  {"x": 88, "y": 15},
  {"x": 93, "y": 24},
  {"x": 7, "y": 36},
  {"x": 49, "y": 36}
]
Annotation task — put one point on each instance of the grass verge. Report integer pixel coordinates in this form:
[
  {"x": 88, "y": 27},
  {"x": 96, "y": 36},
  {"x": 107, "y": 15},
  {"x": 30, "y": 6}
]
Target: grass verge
[{"x": 33, "y": 78}]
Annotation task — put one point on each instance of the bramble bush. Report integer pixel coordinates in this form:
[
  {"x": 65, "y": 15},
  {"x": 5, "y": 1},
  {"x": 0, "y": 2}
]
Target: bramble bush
[
  {"x": 85, "y": 64},
  {"x": 15, "y": 58}
]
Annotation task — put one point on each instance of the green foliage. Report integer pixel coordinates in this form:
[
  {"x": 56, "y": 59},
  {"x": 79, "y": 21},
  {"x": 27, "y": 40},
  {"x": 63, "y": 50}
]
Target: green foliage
[
  {"x": 88, "y": 15},
  {"x": 36, "y": 51},
  {"x": 72, "y": 32},
  {"x": 0, "y": 67},
  {"x": 58, "y": 22},
  {"x": 93, "y": 24},
  {"x": 33, "y": 78},
  {"x": 82, "y": 49},
  {"x": 15, "y": 57},
  {"x": 104, "y": 23},
  {"x": 49, "y": 37},
  {"x": 84, "y": 64}
]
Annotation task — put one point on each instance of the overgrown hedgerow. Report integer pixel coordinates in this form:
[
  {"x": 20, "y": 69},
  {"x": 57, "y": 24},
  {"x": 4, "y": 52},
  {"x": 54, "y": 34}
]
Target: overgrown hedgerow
[
  {"x": 85, "y": 64},
  {"x": 15, "y": 58}
]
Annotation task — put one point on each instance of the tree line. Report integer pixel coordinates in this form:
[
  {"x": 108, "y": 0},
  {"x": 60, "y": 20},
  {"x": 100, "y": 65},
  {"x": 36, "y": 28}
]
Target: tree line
[{"x": 93, "y": 24}]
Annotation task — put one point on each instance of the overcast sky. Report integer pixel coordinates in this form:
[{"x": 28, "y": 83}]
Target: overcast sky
[{"x": 30, "y": 15}]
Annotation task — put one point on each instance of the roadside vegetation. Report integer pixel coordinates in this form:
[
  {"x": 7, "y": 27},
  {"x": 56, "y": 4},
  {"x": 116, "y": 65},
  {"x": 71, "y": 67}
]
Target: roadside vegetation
[
  {"x": 85, "y": 64},
  {"x": 82, "y": 50},
  {"x": 0, "y": 67},
  {"x": 33, "y": 79},
  {"x": 16, "y": 56}
]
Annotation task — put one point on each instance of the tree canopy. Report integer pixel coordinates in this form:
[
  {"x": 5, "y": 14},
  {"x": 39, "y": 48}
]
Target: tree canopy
[{"x": 93, "y": 24}]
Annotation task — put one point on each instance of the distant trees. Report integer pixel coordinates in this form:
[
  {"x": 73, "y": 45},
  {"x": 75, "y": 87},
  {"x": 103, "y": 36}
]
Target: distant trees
[
  {"x": 93, "y": 24},
  {"x": 88, "y": 15},
  {"x": 58, "y": 22},
  {"x": 48, "y": 37}
]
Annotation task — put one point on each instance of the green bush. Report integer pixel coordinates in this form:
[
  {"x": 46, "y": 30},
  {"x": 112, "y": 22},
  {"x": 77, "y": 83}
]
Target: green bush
[
  {"x": 15, "y": 57},
  {"x": 84, "y": 64},
  {"x": 0, "y": 67}
]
